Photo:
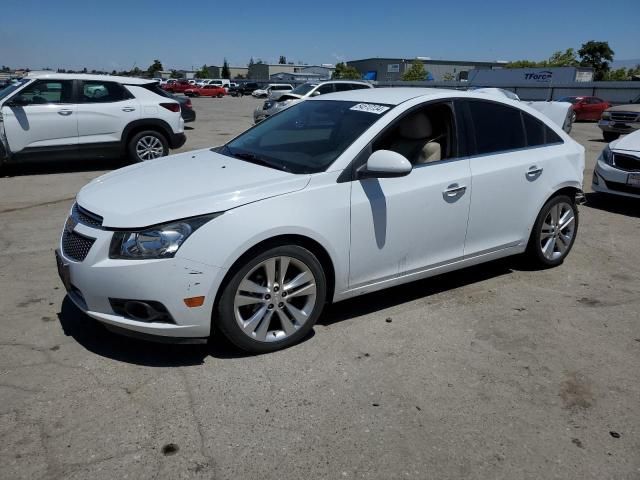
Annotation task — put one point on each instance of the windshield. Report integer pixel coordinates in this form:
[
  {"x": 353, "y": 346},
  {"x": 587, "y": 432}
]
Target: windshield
[
  {"x": 303, "y": 89},
  {"x": 307, "y": 137},
  {"x": 12, "y": 88},
  {"x": 569, "y": 99}
]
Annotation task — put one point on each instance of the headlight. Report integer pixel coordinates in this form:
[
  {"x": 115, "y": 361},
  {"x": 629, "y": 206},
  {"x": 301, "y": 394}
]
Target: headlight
[
  {"x": 607, "y": 156},
  {"x": 283, "y": 104},
  {"x": 268, "y": 104},
  {"x": 606, "y": 116},
  {"x": 159, "y": 241}
]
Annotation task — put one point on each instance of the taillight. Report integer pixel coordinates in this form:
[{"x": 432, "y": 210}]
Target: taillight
[{"x": 173, "y": 106}]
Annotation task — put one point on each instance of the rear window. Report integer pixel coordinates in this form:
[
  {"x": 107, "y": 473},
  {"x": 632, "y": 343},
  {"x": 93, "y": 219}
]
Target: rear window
[
  {"x": 155, "y": 88},
  {"x": 537, "y": 132}
]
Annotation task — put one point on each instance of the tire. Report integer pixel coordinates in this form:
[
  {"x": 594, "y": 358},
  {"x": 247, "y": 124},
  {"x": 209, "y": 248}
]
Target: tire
[
  {"x": 147, "y": 141},
  {"x": 574, "y": 117},
  {"x": 220, "y": 96},
  {"x": 549, "y": 243},
  {"x": 610, "y": 136},
  {"x": 274, "y": 316}
]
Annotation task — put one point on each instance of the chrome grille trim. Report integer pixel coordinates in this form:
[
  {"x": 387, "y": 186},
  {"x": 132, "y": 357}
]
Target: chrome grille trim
[
  {"x": 624, "y": 116},
  {"x": 86, "y": 217}
]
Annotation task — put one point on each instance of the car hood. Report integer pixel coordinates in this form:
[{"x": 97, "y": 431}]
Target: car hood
[
  {"x": 629, "y": 142},
  {"x": 627, "y": 107},
  {"x": 181, "y": 186}
]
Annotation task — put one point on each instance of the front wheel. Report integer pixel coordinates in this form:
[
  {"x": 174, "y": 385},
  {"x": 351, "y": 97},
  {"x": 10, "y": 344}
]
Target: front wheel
[
  {"x": 273, "y": 300},
  {"x": 147, "y": 145},
  {"x": 554, "y": 232},
  {"x": 610, "y": 136}
]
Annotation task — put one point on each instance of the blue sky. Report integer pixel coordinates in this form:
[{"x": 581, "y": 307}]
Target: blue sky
[{"x": 115, "y": 34}]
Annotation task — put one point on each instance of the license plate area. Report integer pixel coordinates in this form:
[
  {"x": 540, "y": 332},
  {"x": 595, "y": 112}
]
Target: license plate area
[
  {"x": 634, "y": 180},
  {"x": 63, "y": 271}
]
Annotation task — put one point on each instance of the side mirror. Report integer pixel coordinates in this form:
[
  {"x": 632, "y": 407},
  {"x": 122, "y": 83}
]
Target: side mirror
[
  {"x": 17, "y": 101},
  {"x": 315, "y": 94},
  {"x": 385, "y": 164}
]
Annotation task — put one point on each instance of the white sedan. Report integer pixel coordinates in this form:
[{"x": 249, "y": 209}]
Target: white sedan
[
  {"x": 617, "y": 170},
  {"x": 332, "y": 198}
]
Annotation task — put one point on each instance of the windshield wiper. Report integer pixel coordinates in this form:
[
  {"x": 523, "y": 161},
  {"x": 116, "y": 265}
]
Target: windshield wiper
[{"x": 250, "y": 157}]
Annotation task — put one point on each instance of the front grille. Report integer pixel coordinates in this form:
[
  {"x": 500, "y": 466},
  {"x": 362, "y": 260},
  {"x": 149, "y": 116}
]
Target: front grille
[
  {"x": 86, "y": 217},
  {"x": 76, "y": 246},
  {"x": 626, "y": 162},
  {"x": 624, "y": 116},
  {"x": 622, "y": 187}
]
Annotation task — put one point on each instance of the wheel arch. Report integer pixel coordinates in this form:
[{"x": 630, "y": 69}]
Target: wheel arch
[
  {"x": 310, "y": 244},
  {"x": 142, "y": 124}
]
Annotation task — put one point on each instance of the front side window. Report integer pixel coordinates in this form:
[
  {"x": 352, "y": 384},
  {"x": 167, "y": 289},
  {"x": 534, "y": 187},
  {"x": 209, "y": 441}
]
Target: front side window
[
  {"x": 307, "y": 137},
  {"x": 424, "y": 135},
  {"x": 496, "y": 127},
  {"x": 326, "y": 88},
  {"x": 102, "y": 92},
  {"x": 42, "y": 92}
]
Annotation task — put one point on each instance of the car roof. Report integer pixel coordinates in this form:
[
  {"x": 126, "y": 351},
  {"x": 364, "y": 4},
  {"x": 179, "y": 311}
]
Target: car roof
[
  {"x": 398, "y": 95},
  {"x": 87, "y": 76}
]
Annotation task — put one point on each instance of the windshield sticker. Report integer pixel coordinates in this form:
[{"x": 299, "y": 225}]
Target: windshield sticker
[{"x": 370, "y": 108}]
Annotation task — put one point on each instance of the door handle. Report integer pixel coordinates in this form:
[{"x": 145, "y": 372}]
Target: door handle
[
  {"x": 454, "y": 190},
  {"x": 534, "y": 171},
  {"x": 128, "y": 109},
  {"x": 65, "y": 113}
]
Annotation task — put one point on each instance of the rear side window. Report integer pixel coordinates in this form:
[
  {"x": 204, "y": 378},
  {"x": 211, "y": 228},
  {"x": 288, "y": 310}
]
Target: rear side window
[
  {"x": 537, "y": 132},
  {"x": 103, "y": 92},
  {"x": 342, "y": 87},
  {"x": 358, "y": 86},
  {"x": 496, "y": 127},
  {"x": 155, "y": 88}
]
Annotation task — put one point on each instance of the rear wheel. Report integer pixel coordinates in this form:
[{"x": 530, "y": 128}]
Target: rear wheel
[
  {"x": 574, "y": 117},
  {"x": 554, "y": 232},
  {"x": 273, "y": 300},
  {"x": 147, "y": 145},
  {"x": 610, "y": 136}
]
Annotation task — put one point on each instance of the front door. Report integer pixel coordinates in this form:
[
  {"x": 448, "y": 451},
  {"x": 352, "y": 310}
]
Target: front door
[
  {"x": 404, "y": 225},
  {"x": 41, "y": 115}
]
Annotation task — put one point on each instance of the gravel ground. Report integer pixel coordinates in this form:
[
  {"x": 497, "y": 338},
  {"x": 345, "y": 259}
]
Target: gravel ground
[{"x": 493, "y": 372}]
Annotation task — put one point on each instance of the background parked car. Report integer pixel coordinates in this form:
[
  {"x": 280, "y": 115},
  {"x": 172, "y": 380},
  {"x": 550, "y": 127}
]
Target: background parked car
[
  {"x": 618, "y": 168},
  {"x": 178, "y": 86},
  {"x": 273, "y": 90},
  {"x": 246, "y": 88},
  {"x": 304, "y": 91},
  {"x": 206, "y": 91},
  {"x": 586, "y": 108},
  {"x": 620, "y": 119}
]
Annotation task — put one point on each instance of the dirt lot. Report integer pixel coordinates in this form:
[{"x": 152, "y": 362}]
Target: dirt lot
[{"x": 494, "y": 372}]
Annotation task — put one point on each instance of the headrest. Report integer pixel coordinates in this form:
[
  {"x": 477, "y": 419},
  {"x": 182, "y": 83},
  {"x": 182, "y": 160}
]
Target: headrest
[{"x": 415, "y": 126}]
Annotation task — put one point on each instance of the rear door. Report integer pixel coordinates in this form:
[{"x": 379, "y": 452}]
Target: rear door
[
  {"x": 512, "y": 166},
  {"x": 104, "y": 110},
  {"x": 42, "y": 115}
]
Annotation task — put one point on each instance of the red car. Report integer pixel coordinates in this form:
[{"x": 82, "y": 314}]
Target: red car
[
  {"x": 178, "y": 87},
  {"x": 586, "y": 108},
  {"x": 206, "y": 91}
]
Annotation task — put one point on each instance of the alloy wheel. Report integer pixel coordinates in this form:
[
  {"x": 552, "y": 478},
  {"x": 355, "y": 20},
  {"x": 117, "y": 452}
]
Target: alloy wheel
[
  {"x": 149, "y": 148},
  {"x": 557, "y": 231},
  {"x": 275, "y": 299}
]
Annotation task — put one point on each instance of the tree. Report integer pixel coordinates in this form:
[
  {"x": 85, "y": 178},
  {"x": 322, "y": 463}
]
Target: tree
[
  {"x": 283, "y": 60},
  {"x": 596, "y": 55},
  {"x": 448, "y": 77},
  {"x": 568, "y": 58},
  {"x": 175, "y": 74},
  {"x": 156, "y": 66},
  {"x": 203, "y": 72},
  {"x": 415, "y": 73},
  {"x": 345, "y": 72},
  {"x": 251, "y": 63},
  {"x": 524, "y": 64},
  {"x": 617, "y": 75},
  {"x": 225, "y": 70}
]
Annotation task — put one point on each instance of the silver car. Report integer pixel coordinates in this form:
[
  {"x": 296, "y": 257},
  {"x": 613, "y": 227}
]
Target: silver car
[{"x": 304, "y": 91}]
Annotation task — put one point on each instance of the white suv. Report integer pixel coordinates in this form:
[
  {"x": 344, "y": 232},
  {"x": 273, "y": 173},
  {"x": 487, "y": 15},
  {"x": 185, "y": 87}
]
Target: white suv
[{"x": 65, "y": 115}]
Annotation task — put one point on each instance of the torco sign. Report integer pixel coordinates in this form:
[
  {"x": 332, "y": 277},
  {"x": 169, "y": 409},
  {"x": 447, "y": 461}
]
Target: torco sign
[{"x": 541, "y": 76}]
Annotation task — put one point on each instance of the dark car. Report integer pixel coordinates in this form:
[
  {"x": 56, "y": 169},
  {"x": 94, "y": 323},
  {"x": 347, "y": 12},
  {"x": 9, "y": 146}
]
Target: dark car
[
  {"x": 243, "y": 89},
  {"x": 586, "y": 108}
]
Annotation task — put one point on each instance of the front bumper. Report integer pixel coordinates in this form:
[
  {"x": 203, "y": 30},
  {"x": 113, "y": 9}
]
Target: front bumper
[
  {"x": 608, "y": 179},
  {"x": 92, "y": 282},
  {"x": 618, "y": 126}
]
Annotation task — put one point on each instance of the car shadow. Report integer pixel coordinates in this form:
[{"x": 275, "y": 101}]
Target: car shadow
[
  {"x": 97, "y": 339},
  {"x": 62, "y": 166},
  {"x": 598, "y": 140},
  {"x": 93, "y": 336},
  {"x": 391, "y": 297},
  {"x": 614, "y": 204}
]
